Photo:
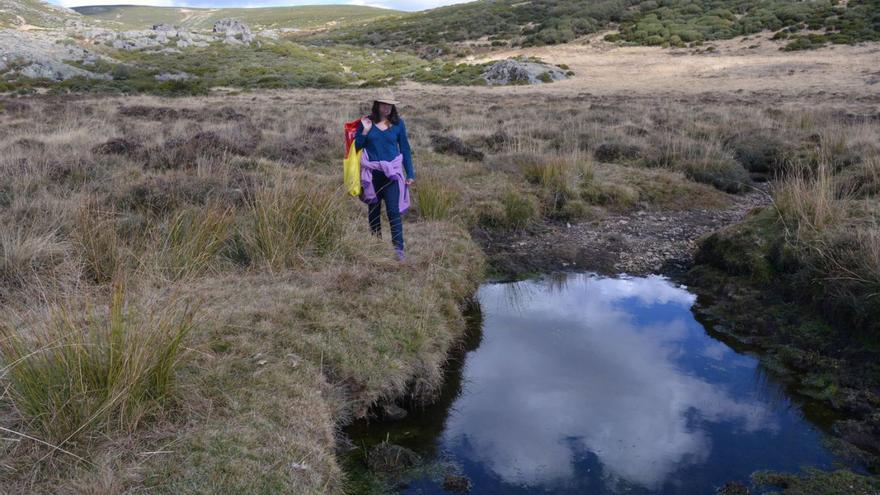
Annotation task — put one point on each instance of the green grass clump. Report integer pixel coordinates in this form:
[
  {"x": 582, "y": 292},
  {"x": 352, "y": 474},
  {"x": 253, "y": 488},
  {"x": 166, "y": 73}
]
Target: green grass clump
[
  {"x": 285, "y": 223},
  {"x": 519, "y": 209},
  {"x": 559, "y": 179},
  {"x": 193, "y": 241},
  {"x": 84, "y": 372},
  {"x": 434, "y": 199},
  {"x": 97, "y": 243}
]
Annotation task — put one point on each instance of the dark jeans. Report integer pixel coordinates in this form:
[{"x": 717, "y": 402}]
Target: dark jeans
[{"x": 388, "y": 191}]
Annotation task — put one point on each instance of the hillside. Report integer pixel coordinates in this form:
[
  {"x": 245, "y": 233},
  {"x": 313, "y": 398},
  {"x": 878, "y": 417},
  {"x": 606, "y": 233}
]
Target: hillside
[
  {"x": 489, "y": 23},
  {"x": 305, "y": 17},
  {"x": 25, "y": 13}
]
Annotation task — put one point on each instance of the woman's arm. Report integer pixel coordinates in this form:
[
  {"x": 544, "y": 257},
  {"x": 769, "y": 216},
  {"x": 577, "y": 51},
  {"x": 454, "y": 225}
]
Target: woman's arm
[
  {"x": 360, "y": 141},
  {"x": 403, "y": 143}
]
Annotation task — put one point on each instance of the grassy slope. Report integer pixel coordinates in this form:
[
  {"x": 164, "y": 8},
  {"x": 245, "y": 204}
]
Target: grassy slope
[
  {"x": 543, "y": 22},
  {"x": 305, "y": 17},
  {"x": 33, "y": 12}
]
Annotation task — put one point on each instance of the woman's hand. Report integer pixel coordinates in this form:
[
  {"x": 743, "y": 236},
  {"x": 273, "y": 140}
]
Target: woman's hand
[
  {"x": 367, "y": 124},
  {"x": 409, "y": 181}
]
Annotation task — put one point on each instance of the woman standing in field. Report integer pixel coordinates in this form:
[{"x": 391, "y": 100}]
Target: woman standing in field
[{"x": 386, "y": 167}]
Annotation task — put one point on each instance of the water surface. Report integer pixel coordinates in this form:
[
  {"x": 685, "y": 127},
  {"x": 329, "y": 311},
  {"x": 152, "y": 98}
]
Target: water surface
[{"x": 583, "y": 384}]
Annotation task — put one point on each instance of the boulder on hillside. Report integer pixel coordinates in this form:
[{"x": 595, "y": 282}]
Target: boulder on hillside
[
  {"x": 235, "y": 31},
  {"x": 512, "y": 71}
]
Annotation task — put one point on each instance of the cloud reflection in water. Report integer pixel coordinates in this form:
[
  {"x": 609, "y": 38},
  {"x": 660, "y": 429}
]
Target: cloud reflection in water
[{"x": 567, "y": 369}]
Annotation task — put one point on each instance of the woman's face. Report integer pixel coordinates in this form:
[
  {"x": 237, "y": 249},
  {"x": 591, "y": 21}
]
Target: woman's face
[{"x": 384, "y": 109}]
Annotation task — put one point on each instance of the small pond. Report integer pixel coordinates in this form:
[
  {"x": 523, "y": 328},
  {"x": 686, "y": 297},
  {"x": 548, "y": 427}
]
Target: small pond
[{"x": 578, "y": 384}]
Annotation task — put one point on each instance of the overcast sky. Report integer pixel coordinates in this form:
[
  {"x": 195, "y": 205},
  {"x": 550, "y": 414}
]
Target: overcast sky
[{"x": 409, "y": 5}]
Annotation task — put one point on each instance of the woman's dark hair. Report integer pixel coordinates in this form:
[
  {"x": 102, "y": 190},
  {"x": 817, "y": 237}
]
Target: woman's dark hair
[{"x": 376, "y": 117}]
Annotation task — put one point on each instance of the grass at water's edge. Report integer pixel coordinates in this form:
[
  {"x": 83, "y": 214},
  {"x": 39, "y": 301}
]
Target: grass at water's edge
[{"x": 754, "y": 287}]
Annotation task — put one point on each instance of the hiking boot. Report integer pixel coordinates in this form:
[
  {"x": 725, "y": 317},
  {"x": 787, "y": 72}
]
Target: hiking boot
[{"x": 398, "y": 253}]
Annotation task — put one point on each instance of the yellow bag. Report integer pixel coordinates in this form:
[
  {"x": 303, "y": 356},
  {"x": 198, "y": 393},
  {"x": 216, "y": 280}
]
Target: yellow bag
[
  {"x": 351, "y": 171},
  {"x": 351, "y": 163}
]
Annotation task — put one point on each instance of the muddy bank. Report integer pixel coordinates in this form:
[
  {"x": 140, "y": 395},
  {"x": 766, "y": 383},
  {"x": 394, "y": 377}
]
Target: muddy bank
[{"x": 638, "y": 242}]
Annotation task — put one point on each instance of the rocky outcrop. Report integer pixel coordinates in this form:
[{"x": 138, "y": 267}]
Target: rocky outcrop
[
  {"x": 39, "y": 55},
  {"x": 512, "y": 71},
  {"x": 234, "y": 32}
]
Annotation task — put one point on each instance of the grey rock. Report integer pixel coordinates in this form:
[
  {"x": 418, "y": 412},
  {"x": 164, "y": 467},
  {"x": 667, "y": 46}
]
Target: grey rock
[
  {"x": 41, "y": 56},
  {"x": 394, "y": 412},
  {"x": 168, "y": 29},
  {"x": 516, "y": 72},
  {"x": 172, "y": 76},
  {"x": 233, "y": 29}
]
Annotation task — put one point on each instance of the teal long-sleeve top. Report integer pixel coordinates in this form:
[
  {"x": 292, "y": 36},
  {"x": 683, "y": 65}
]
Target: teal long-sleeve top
[{"x": 386, "y": 145}]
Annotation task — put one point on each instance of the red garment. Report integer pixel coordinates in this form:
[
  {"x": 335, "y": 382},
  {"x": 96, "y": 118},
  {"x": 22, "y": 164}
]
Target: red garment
[{"x": 350, "y": 130}]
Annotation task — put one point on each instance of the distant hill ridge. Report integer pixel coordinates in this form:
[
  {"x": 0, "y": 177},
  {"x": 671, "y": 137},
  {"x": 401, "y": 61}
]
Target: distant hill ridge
[
  {"x": 24, "y": 13},
  {"x": 644, "y": 22},
  {"x": 297, "y": 17},
  {"x": 445, "y": 30}
]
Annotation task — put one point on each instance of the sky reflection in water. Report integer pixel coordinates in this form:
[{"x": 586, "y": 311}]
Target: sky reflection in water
[{"x": 608, "y": 386}]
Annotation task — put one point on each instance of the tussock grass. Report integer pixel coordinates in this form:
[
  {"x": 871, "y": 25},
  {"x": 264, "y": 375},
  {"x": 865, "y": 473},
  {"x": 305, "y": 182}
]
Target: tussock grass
[
  {"x": 194, "y": 240},
  {"x": 81, "y": 372},
  {"x": 26, "y": 253},
  {"x": 703, "y": 160},
  {"x": 286, "y": 223},
  {"x": 809, "y": 200},
  {"x": 96, "y": 241},
  {"x": 519, "y": 209},
  {"x": 836, "y": 237},
  {"x": 435, "y": 199},
  {"x": 559, "y": 177}
]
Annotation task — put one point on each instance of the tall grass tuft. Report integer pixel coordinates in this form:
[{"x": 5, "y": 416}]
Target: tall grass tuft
[
  {"x": 26, "y": 253},
  {"x": 285, "y": 223},
  {"x": 434, "y": 199},
  {"x": 81, "y": 372},
  {"x": 193, "y": 241},
  {"x": 808, "y": 200},
  {"x": 559, "y": 178},
  {"x": 97, "y": 243}
]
